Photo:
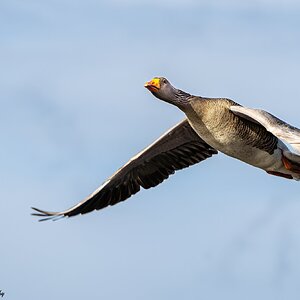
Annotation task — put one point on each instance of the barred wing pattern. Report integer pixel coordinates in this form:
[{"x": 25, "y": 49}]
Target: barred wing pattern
[
  {"x": 279, "y": 128},
  {"x": 178, "y": 148}
]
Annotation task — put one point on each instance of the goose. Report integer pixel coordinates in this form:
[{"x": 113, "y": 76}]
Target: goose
[{"x": 253, "y": 136}]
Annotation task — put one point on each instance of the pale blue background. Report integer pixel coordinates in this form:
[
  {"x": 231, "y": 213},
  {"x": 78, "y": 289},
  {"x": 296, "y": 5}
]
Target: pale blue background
[{"x": 73, "y": 110}]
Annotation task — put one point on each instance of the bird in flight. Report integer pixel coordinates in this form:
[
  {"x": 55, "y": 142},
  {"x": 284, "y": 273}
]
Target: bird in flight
[{"x": 212, "y": 124}]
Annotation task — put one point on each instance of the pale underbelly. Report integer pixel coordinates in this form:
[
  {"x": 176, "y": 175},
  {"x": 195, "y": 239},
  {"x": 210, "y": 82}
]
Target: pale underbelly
[{"x": 232, "y": 145}]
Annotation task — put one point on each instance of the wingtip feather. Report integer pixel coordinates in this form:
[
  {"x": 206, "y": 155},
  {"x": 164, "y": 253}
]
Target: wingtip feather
[{"x": 47, "y": 214}]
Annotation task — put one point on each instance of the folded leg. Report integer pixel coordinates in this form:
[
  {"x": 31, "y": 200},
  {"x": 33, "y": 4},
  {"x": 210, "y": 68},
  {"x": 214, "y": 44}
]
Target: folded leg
[{"x": 287, "y": 176}]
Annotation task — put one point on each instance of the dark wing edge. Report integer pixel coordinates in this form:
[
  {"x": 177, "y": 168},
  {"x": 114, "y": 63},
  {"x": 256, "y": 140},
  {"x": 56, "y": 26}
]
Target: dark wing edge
[
  {"x": 279, "y": 128},
  {"x": 178, "y": 148}
]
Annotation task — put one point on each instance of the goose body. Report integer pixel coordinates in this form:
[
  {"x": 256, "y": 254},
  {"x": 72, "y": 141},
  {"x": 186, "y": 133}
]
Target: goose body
[
  {"x": 212, "y": 124},
  {"x": 221, "y": 128}
]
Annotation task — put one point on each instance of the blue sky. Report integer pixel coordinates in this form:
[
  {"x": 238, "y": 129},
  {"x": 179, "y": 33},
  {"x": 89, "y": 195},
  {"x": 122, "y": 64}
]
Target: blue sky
[{"x": 73, "y": 110}]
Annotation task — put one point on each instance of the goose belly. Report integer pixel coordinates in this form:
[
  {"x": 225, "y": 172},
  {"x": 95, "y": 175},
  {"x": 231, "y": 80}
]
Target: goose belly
[{"x": 231, "y": 144}]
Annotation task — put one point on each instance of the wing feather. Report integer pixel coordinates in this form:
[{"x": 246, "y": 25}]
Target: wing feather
[
  {"x": 279, "y": 128},
  {"x": 178, "y": 148}
]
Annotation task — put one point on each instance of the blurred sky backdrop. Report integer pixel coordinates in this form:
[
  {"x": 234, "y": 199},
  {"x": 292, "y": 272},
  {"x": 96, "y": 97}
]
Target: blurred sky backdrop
[{"x": 74, "y": 109}]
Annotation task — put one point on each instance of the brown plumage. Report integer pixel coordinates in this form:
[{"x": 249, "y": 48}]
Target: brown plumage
[{"x": 217, "y": 116}]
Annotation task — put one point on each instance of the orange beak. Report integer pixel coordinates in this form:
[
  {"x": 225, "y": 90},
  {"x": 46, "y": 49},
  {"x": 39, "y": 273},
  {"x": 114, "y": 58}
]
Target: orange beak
[{"x": 153, "y": 85}]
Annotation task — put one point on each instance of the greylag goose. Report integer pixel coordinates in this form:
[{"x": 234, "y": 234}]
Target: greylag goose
[{"x": 212, "y": 124}]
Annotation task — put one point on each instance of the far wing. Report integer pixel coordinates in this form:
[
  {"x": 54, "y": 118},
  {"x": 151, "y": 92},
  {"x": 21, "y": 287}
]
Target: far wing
[
  {"x": 279, "y": 128},
  {"x": 178, "y": 148}
]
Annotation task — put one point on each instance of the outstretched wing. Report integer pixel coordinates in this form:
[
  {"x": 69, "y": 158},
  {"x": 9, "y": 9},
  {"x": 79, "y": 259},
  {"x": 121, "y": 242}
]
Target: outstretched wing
[
  {"x": 178, "y": 148},
  {"x": 279, "y": 128}
]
